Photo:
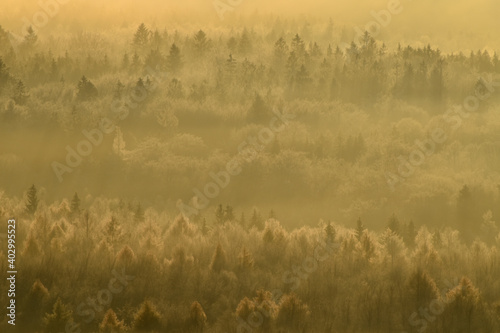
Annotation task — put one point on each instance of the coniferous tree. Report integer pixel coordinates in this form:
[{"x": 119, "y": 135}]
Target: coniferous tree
[
  {"x": 256, "y": 220},
  {"x": 219, "y": 214},
  {"x": 147, "y": 319},
  {"x": 359, "y": 229},
  {"x": 56, "y": 321},
  {"x": 259, "y": 111},
  {"x": 111, "y": 324},
  {"x": 245, "y": 44},
  {"x": 246, "y": 260},
  {"x": 75, "y": 204},
  {"x": 32, "y": 200},
  {"x": 112, "y": 230},
  {"x": 5, "y": 76},
  {"x": 174, "y": 59},
  {"x": 394, "y": 225},
  {"x": 141, "y": 37},
  {"x": 280, "y": 52},
  {"x": 330, "y": 233},
  {"x": 34, "y": 303},
  {"x": 20, "y": 96},
  {"x": 86, "y": 90},
  {"x": 200, "y": 43},
  {"x": 30, "y": 38},
  {"x": 228, "y": 213},
  {"x": 219, "y": 260}
]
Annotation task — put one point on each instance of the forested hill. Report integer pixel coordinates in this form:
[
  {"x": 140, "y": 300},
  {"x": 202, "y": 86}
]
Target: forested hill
[{"x": 376, "y": 130}]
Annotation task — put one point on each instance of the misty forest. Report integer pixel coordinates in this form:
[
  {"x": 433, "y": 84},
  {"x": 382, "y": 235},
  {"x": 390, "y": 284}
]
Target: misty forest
[{"x": 273, "y": 175}]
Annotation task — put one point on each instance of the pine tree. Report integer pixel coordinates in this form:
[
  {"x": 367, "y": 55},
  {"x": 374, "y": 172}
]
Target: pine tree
[
  {"x": 330, "y": 233},
  {"x": 302, "y": 82},
  {"x": 218, "y": 262},
  {"x": 360, "y": 228},
  {"x": 256, "y": 220},
  {"x": 246, "y": 260},
  {"x": 174, "y": 59},
  {"x": 20, "y": 95},
  {"x": 147, "y": 319},
  {"x": 200, "y": 43},
  {"x": 204, "y": 227},
  {"x": 259, "y": 110},
  {"x": 30, "y": 38},
  {"x": 298, "y": 47},
  {"x": 111, "y": 324},
  {"x": 245, "y": 45},
  {"x": 394, "y": 225},
  {"x": 228, "y": 213},
  {"x": 5, "y": 76},
  {"x": 75, "y": 204},
  {"x": 141, "y": 36},
  {"x": 86, "y": 90},
  {"x": 32, "y": 200},
  {"x": 219, "y": 214},
  {"x": 112, "y": 230},
  {"x": 56, "y": 321},
  {"x": 30, "y": 318},
  {"x": 280, "y": 50}
]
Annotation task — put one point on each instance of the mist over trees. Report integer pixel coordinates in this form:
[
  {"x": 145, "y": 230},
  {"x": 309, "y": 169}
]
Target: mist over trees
[
  {"x": 169, "y": 273},
  {"x": 371, "y": 209},
  {"x": 180, "y": 105}
]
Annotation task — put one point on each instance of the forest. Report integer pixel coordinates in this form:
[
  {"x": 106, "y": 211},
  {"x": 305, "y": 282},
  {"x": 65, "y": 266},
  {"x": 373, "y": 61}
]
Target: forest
[
  {"x": 115, "y": 266},
  {"x": 277, "y": 174}
]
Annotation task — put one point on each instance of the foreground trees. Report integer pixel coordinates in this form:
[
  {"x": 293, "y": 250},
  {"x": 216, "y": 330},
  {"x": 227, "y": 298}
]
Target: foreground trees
[{"x": 219, "y": 274}]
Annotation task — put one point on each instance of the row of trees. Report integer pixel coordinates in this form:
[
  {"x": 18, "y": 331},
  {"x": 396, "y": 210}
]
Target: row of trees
[
  {"x": 173, "y": 274},
  {"x": 467, "y": 210},
  {"x": 361, "y": 73}
]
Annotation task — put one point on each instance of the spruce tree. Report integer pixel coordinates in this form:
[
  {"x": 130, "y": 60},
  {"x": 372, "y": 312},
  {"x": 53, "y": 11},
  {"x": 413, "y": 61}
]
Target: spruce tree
[
  {"x": 219, "y": 214},
  {"x": 200, "y": 43},
  {"x": 75, "y": 204},
  {"x": 20, "y": 95},
  {"x": 360, "y": 228},
  {"x": 86, "y": 90},
  {"x": 174, "y": 59},
  {"x": 32, "y": 200},
  {"x": 141, "y": 36}
]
